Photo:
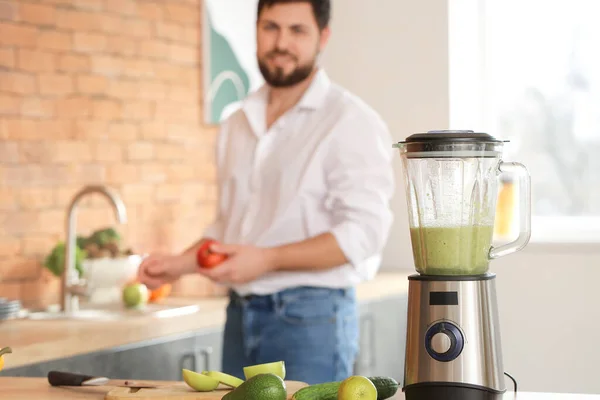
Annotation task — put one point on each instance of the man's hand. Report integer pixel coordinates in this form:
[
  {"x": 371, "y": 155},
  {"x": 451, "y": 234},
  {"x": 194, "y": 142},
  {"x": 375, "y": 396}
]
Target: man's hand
[
  {"x": 245, "y": 263},
  {"x": 158, "y": 269}
]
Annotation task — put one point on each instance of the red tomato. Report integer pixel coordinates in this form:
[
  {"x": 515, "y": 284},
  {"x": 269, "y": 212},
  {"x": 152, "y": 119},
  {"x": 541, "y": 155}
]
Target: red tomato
[{"x": 207, "y": 258}]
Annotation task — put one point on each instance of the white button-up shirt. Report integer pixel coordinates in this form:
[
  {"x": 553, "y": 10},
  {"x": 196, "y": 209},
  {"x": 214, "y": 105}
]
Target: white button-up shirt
[{"x": 324, "y": 166}]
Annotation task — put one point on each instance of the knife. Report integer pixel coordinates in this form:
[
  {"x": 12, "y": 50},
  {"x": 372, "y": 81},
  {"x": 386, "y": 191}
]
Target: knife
[{"x": 59, "y": 378}]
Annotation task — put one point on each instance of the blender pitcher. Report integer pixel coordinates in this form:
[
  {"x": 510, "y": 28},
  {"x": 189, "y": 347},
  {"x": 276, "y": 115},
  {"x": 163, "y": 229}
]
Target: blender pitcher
[{"x": 451, "y": 180}]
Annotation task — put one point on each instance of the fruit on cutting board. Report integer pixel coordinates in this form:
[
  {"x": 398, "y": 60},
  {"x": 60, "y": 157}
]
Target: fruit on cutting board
[
  {"x": 135, "y": 295},
  {"x": 259, "y": 387},
  {"x": 199, "y": 382},
  {"x": 386, "y": 388},
  {"x": 207, "y": 258},
  {"x": 357, "y": 387},
  {"x": 225, "y": 379},
  {"x": 3, "y": 351},
  {"x": 276, "y": 368}
]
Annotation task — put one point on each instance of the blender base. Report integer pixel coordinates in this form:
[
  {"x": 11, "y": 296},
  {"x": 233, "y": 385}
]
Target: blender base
[{"x": 449, "y": 391}]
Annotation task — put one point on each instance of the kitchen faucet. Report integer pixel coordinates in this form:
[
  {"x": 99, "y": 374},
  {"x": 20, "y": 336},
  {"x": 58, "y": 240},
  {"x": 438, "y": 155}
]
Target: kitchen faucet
[{"x": 71, "y": 285}]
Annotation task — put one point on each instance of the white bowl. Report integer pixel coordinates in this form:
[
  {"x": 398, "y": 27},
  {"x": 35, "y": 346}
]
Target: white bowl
[{"x": 107, "y": 273}]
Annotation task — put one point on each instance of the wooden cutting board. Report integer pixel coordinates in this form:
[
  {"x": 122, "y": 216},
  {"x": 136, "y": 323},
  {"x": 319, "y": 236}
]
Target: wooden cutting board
[{"x": 181, "y": 391}]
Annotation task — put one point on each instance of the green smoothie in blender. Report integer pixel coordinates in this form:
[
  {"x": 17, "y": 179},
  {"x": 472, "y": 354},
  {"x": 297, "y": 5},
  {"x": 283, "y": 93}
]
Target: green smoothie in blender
[{"x": 454, "y": 250}]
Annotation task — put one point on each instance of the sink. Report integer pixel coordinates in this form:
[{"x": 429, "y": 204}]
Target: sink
[{"x": 115, "y": 312}]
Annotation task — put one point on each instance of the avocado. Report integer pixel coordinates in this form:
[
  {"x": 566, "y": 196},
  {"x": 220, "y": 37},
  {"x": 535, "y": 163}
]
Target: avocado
[{"x": 259, "y": 387}]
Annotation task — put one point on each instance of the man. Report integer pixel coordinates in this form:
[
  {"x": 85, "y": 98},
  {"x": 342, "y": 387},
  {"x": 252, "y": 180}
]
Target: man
[{"x": 304, "y": 178}]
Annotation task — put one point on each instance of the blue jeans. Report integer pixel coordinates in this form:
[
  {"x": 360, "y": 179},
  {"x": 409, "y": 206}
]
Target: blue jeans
[{"x": 313, "y": 330}]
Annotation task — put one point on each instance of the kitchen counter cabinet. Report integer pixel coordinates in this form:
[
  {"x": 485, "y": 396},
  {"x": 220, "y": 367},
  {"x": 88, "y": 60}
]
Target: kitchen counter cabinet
[{"x": 38, "y": 389}]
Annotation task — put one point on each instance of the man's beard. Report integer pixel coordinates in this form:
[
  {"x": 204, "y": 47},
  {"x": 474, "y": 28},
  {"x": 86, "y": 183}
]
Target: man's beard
[{"x": 277, "y": 78}]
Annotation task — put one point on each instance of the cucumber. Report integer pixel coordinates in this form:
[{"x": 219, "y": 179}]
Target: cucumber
[{"x": 386, "y": 388}]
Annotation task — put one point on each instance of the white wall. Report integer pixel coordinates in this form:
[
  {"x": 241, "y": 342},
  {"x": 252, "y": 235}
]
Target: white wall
[{"x": 395, "y": 56}]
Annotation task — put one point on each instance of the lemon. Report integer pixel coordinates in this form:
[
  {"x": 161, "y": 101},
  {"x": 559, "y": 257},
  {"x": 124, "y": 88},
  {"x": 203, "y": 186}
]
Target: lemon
[
  {"x": 275, "y": 368},
  {"x": 199, "y": 382},
  {"x": 357, "y": 387},
  {"x": 4, "y": 351}
]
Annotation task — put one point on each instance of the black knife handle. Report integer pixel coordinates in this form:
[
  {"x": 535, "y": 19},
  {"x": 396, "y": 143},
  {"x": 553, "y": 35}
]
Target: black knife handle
[{"x": 58, "y": 378}]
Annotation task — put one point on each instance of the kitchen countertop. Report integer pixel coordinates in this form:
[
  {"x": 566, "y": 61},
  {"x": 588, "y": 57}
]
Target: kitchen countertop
[
  {"x": 39, "y": 389},
  {"x": 38, "y": 341}
]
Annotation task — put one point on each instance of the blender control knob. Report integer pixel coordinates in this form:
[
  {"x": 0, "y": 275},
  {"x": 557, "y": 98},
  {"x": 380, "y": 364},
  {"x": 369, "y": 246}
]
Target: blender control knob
[
  {"x": 444, "y": 341},
  {"x": 441, "y": 343}
]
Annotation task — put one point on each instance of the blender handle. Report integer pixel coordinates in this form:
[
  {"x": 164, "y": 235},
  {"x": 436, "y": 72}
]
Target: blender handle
[{"x": 524, "y": 210}]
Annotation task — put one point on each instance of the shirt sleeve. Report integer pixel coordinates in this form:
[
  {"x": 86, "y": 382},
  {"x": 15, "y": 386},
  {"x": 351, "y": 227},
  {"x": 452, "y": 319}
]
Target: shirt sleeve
[{"x": 360, "y": 181}]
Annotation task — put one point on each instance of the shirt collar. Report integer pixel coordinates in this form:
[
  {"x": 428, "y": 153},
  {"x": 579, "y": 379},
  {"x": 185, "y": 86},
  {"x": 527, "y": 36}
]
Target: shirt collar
[{"x": 255, "y": 104}]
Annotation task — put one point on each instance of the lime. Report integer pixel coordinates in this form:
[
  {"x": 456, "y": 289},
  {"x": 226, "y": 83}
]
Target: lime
[
  {"x": 224, "y": 378},
  {"x": 199, "y": 382},
  {"x": 135, "y": 295},
  {"x": 357, "y": 388},
  {"x": 276, "y": 368}
]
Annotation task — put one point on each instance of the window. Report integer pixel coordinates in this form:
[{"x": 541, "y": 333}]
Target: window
[{"x": 529, "y": 71}]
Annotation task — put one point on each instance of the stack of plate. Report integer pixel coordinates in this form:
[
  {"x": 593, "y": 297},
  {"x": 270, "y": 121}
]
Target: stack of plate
[{"x": 9, "y": 309}]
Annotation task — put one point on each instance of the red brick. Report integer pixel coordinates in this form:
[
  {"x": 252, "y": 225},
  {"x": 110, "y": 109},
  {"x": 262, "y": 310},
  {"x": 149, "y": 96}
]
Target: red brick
[
  {"x": 169, "y": 192},
  {"x": 169, "y": 30},
  {"x": 87, "y": 173},
  {"x": 138, "y": 193},
  {"x": 36, "y": 61},
  {"x": 72, "y": 151},
  {"x": 152, "y": 91},
  {"x": 19, "y": 222},
  {"x": 17, "y": 82},
  {"x": 191, "y": 36},
  {"x": 53, "y": 40},
  {"x": 112, "y": 24},
  {"x": 170, "y": 152},
  {"x": 153, "y": 48},
  {"x": 107, "y": 65},
  {"x": 8, "y": 202},
  {"x": 182, "y": 13},
  {"x": 180, "y": 172},
  {"x": 182, "y": 94},
  {"x": 10, "y": 105},
  {"x": 9, "y": 247},
  {"x": 51, "y": 221},
  {"x": 37, "y": 107},
  {"x": 123, "y": 89},
  {"x": 26, "y": 130},
  {"x": 138, "y": 110},
  {"x": 106, "y": 109},
  {"x": 39, "y": 245},
  {"x": 121, "y": 45},
  {"x": 184, "y": 54},
  {"x": 138, "y": 68},
  {"x": 36, "y": 198},
  {"x": 76, "y": 20},
  {"x": 37, "y": 152},
  {"x": 92, "y": 219},
  {"x": 9, "y": 152},
  {"x": 19, "y": 268},
  {"x": 17, "y": 35},
  {"x": 73, "y": 107},
  {"x": 123, "y": 131},
  {"x": 167, "y": 72},
  {"x": 55, "y": 84},
  {"x": 85, "y": 130},
  {"x": 74, "y": 63},
  {"x": 91, "y": 5},
  {"x": 89, "y": 42},
  {"x": 8, "y": 11},
  {"x": 7, "y": 58},
  {"x": 153, "y": 130},
  {"x": 125, "y": 7},
  {"x": 47, "y": 175},
  {"x": 150, "y": 11},
  {"x": 107, "y": 152},
  {"x": 194, "y": 193},
  {"x": 140, "y": 151},
  {"x": 37, "y": 14},
  {"x": 138, "y": 29},
  {"x": 91, "y": 84},
  {"x": 122, "y": 173},
  {"x": 153, "y": 173},
  {"x": 11, "y": 290}
]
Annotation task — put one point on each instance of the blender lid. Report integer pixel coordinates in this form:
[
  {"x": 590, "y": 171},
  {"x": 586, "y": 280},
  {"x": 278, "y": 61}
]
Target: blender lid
[{"x": 452, "y": 136}]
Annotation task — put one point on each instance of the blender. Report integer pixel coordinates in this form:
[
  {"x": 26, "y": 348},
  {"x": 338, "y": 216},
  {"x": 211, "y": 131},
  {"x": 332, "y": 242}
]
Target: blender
[{"x": 453, "y": 346}]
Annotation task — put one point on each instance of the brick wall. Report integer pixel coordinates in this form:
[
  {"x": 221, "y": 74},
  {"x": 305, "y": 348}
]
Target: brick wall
[{"x": 100, "y": 91}]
